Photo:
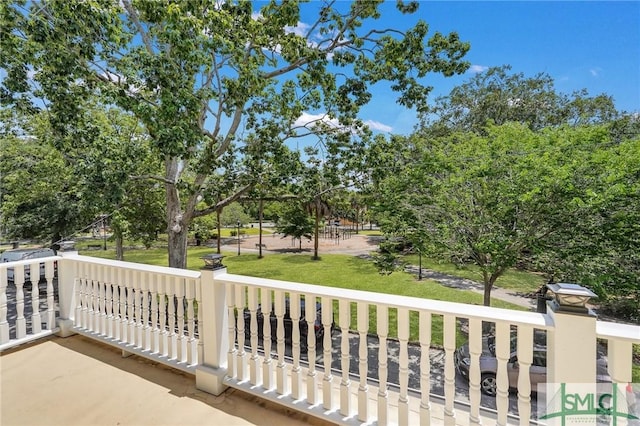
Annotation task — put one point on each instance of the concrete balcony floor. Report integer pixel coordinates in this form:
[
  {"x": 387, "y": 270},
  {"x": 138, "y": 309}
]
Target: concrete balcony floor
[{"x": 77, "y": 381}]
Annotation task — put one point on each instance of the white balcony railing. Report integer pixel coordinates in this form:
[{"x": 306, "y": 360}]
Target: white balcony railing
[
  {"x": 249, "y": 333},
  {"x": 32, "y": 311}
]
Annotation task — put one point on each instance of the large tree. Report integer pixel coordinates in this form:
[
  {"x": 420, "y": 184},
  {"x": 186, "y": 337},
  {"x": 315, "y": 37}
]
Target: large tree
[
  {"x": 39, "y": 196},
  {"x": 490, "y": 200},
  {"x": 598, "y": 243},
  {"x": 498, "y": 96},
  {"x": 54, "y": 186},
  {"x": 209, "y": 79}
]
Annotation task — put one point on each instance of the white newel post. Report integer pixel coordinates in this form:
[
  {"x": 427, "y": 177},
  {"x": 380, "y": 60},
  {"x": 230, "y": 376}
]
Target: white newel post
[
  {"x": 571, "y": 341},
  {"x": 213, "y": 331},
  {"x": 66, "y": 288}
]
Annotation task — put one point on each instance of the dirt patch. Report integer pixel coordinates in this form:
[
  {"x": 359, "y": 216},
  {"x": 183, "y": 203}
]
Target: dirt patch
[{"x": 355, "y": 244}]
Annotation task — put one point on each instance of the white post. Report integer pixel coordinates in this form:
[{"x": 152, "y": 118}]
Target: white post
[
  {"x": 571, "y": 342},
  {"x": 213, "y": 331},
  {"x": 66, "y": 291}
]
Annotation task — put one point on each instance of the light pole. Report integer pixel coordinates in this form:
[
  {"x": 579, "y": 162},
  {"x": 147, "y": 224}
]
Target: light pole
[
  {"x": 238, "y": 235},
  {"x": 104, "y": 230}
]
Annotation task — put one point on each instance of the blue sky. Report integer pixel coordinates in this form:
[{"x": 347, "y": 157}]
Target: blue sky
[{"x": 580, "y": 44}]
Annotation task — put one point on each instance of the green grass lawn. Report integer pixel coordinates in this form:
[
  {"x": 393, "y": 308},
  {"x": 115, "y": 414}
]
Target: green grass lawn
[
  {"x": 513, "y": 279},
  {"x": 371, "y": 233}
]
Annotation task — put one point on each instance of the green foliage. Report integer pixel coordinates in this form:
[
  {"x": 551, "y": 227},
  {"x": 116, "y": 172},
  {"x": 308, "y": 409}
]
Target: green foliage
[
  {"x": 39, "y": 197},
  {"x": 295, "y": 222},
  {"x": 497, "y": 97},
  {"x": 561, "y": 196},
  {"x": 232, "y": 214},
  {"x": 598, "y": 243},
  {"x": 218, "y": 90},
  {"x": 87, "y": 172}
]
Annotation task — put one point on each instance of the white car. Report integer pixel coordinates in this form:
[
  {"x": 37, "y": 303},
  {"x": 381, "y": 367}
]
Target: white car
[{"x": 25, "y": 254}]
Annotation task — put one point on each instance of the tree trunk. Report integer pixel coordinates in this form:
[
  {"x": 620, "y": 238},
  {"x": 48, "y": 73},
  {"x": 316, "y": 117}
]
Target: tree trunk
[
  {"x": 177, "y": 229},
  {"x": 219, "y": 229},
  {"x": 488, "y": 284},
  {"x": 178, "y": 249},
  {"x": 487, "y": 295},
  {"x": 316, "y": 233}
]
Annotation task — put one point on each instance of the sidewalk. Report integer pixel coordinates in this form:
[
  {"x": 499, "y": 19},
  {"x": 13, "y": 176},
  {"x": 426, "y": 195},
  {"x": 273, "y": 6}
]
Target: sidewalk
[{"x": 465, "y": 284}]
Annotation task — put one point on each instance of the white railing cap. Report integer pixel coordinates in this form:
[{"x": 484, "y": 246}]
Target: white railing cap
[
  {"x": 607, "y": 330},
  {"x": 534, "y": 319},
  {"x": 164, "y": 270},
  {"x": 28, "y": 261}
]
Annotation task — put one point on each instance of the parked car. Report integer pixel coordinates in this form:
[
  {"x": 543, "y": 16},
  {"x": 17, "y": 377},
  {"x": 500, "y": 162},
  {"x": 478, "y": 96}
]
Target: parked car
[
  {"x": 537, "y": 371},
  {"x": 288, "y": 324},
  {"x": 632, "y": 403},
  {"x": 25, "y": 254}
]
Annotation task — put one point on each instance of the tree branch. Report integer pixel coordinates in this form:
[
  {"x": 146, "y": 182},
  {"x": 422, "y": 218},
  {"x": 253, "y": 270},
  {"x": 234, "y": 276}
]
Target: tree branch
[
  {"x": 152, "y": 177},
  {"x": 136, "y": 21},
  {"x": 222, "y": 203}
]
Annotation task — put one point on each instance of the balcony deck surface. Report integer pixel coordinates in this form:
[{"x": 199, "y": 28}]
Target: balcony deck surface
[{"x": 77, "y": 381}]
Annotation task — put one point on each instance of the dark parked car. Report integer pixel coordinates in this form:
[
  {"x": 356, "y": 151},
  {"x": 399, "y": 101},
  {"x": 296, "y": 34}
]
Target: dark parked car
[
  {"x": 537, "y": 371},
  {"x": 288, "y": 324}
]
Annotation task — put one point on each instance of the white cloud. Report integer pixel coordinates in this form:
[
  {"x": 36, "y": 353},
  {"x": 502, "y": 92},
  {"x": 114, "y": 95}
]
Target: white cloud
[
  {"x": 310, "y": 120},
  {"x": 376, "y": 125},
  {"x": 300, "y": 29},
  {"x": 475, "y": 69},
  {"x": 595, "y": 72}
]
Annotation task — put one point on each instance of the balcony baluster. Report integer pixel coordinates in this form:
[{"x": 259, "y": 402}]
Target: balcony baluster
[
  {"x": 21, "y": 322},
  {"x": 4, "y": 309},
  {"x": 525, "y": 359},
  {"x": 403, "y": 364},
  {"x": 110, "y": 291},
  {"x": 163, "y": 300},
  {"x": 363, "y": 361},
  {"x": 49, "y": 273},
  {"x": 155, "y": 319},
  {"x": 327, "y": 321},
  {"x": 146, "y": 307},
  {"x": 241, "y": 355},
  {"x": 425, "y": 366},
  {"x": 138, "y": 302},
  {"x": 192, "y": 341},
  {"x": 383, "y": 368},
  {"x": 312, "y": 374},
  {"x": 181, "y": 354},
  {"x": 36, "y": 321},
  {"x": 345, "y": 384},
  {"x": 475, "y": 350},
  {"x": 503, "y": 341},
  {"x": 268, "y": 362},
  {"x": 231, "y": 332},
  {"x": 449, "y": 340},
  {"x": 254, "y": 360},
  {"x": 282, "y": 384},
  {"x": 296, "y": 371}
]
